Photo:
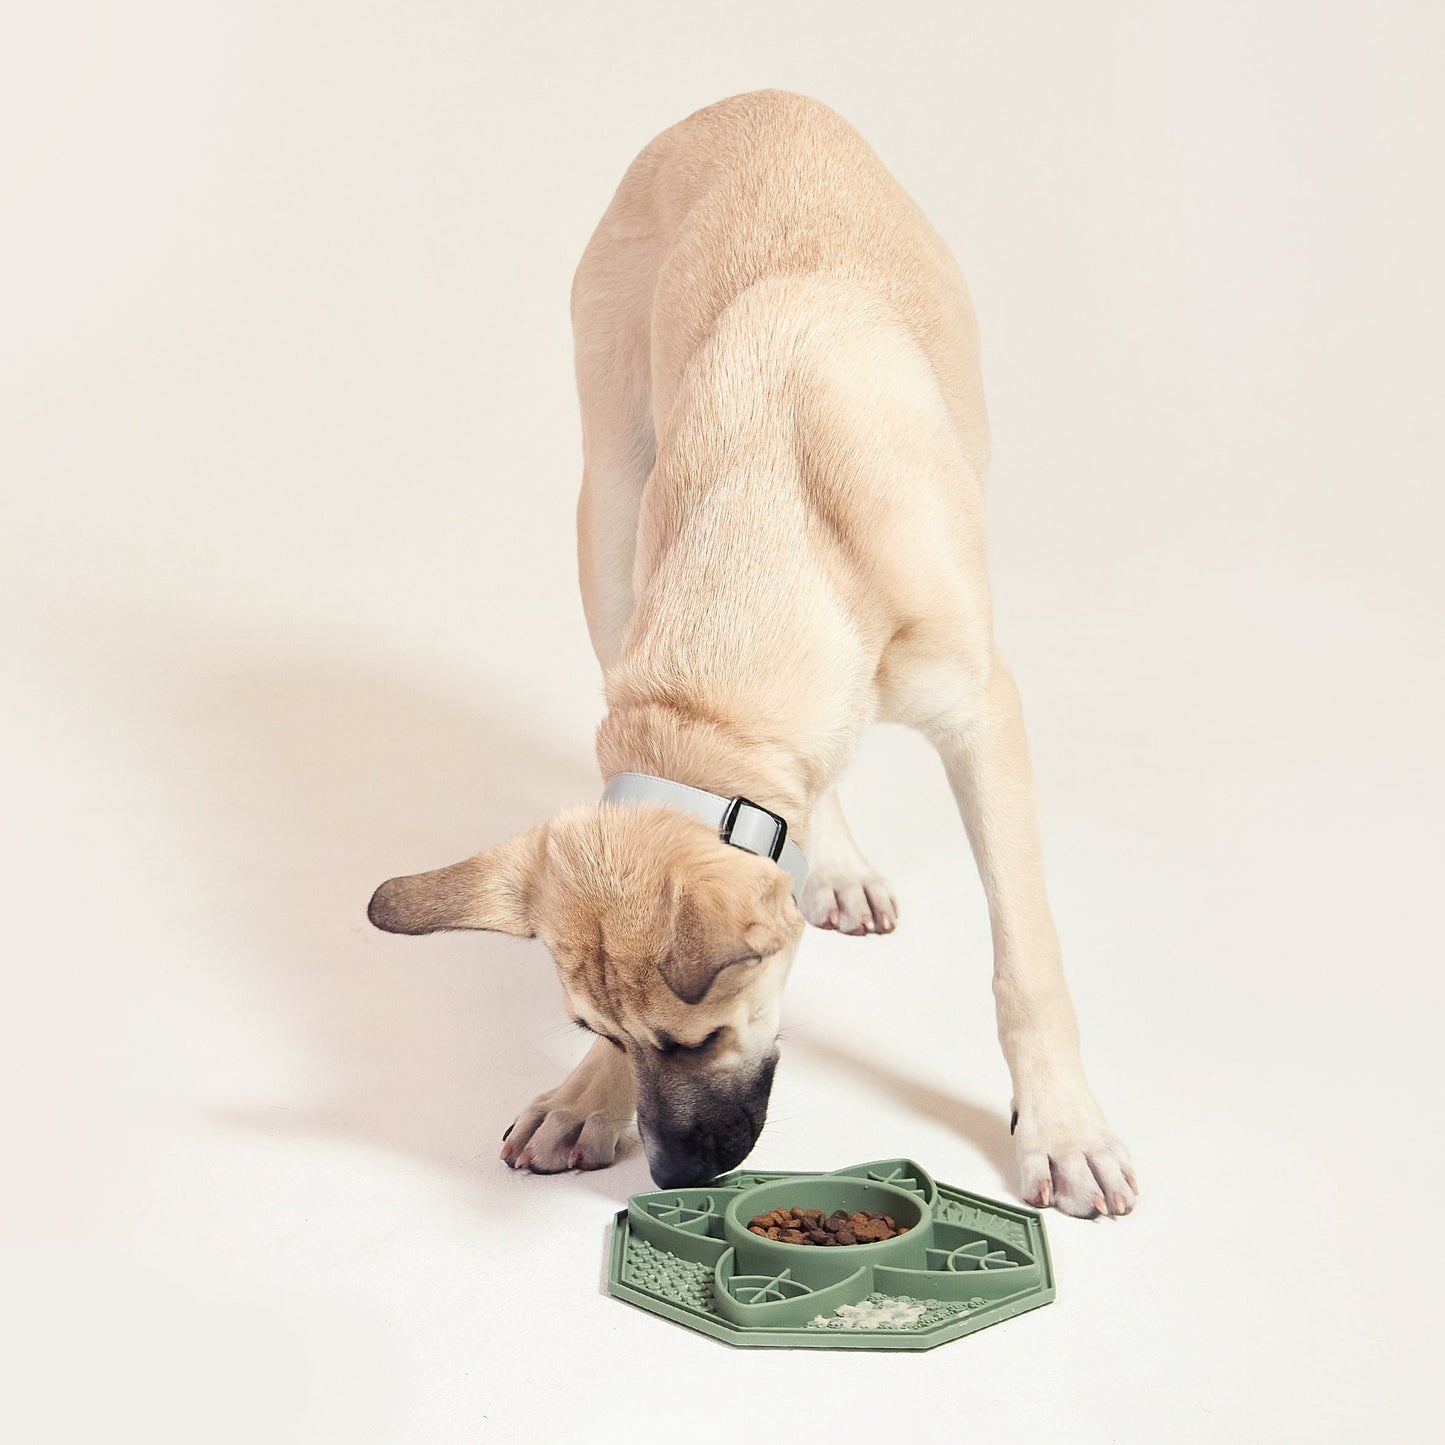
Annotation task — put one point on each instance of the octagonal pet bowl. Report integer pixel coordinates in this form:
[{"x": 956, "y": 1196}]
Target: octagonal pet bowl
[{"x": 965, "y": 1261}]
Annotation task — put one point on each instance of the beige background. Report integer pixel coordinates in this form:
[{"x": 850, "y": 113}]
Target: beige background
[{"x": 289, "y": 457}]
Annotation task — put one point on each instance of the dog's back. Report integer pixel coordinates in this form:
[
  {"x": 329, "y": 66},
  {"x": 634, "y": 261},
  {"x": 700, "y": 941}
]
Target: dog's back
[{"x": 771, "y": 185}]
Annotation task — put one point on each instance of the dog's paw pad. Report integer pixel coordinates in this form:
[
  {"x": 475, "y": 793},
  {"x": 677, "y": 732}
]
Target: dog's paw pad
[{"x": 857, "y": 903}]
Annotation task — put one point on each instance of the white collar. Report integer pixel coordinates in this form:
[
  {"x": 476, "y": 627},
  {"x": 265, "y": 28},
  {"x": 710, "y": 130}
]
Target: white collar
[{"x": 739, "y": 821}]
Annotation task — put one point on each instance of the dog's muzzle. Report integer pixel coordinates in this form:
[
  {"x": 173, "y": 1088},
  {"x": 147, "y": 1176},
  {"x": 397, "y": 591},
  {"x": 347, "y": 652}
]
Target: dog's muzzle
[{"x": 692, "y": 1145}]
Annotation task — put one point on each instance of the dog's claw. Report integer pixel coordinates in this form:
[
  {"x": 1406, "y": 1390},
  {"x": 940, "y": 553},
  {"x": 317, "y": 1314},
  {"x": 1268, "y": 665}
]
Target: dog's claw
[
  {"x": 1078, "y": 1167},
  {"x": 552, "y": 1141},
  {"x": 855, "y": 903}
]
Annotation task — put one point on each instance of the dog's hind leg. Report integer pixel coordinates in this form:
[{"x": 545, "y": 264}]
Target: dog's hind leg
[
  {"x": 843, "y": 890},
  {"x": 578, "y": 1124},
  {"x": 611, "y": 323},
  {"x": 1067, "y": 1154},
  {"x": 612, "y": 481}
]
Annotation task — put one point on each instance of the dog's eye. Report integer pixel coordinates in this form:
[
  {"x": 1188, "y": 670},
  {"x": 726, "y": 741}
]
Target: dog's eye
[
  {"x": 666, "y": 1045},
  {"x": 588, "y": 1029}
]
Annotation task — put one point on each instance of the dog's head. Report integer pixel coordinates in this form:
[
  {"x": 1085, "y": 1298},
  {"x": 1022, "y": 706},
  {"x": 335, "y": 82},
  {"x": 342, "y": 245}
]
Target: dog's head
[{"x": 670, "y": 944}]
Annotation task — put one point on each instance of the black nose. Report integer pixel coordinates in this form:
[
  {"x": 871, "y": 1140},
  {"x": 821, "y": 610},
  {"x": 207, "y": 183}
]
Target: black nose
[
  {"x": 681, "y": 1158},
  {"x": 679, "y": 1173},
  {"x": 691, "y": 1145}
]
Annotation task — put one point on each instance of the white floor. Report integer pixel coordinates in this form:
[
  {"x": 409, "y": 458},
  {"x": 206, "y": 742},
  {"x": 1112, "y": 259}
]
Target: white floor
[{"x": 290, "y": 457}]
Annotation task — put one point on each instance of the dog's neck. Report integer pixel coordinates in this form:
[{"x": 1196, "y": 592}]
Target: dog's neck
[
  {"x": 739, "y": 671},
  {"x": 718, "y": 754}
]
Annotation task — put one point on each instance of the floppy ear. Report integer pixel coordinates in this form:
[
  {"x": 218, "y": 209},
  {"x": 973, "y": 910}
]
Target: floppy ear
[
  {"x": 716, "y": 927},
  {"x": 491, "y": 891}
]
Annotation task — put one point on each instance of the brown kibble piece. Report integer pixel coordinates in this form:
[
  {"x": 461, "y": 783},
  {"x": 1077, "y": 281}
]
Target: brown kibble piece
[{"x": 800, "y": 1224}]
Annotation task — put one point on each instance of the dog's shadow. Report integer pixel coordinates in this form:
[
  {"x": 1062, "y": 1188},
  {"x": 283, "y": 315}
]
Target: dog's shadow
[
  {"x": 312, "y": 777},
  {"x": 309, "y": 778},
  {"x": 985, "y": 1128}
]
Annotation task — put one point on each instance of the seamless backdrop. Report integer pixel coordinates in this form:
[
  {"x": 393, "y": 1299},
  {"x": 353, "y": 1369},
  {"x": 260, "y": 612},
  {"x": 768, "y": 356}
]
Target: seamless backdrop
[{"x": 289, "y": 454}]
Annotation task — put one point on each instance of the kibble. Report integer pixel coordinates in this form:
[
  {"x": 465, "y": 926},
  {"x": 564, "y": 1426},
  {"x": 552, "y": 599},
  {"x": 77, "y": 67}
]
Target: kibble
[{"x": 812, "y": 1226}]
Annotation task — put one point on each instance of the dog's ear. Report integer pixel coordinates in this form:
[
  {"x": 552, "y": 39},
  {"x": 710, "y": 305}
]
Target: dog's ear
[
  {"x": 716, "y": 926},
  {"x": 491, "y": 891}
]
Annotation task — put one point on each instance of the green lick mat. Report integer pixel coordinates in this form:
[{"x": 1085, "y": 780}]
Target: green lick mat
[{"x": 964, "y": 1262}]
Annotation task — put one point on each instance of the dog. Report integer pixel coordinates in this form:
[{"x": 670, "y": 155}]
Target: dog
[{"x": 780, "y": 541}]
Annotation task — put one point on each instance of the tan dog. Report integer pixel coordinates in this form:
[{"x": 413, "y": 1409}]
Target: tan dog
[{"x": 781, "y": 538}]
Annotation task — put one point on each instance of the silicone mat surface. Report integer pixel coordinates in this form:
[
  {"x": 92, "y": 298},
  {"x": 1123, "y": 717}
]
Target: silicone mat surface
[{"x": 965, "y": 1262}]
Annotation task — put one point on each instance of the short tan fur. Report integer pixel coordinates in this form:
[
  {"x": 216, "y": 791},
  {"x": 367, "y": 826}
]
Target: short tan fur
[{"x": 781, "y": 540}]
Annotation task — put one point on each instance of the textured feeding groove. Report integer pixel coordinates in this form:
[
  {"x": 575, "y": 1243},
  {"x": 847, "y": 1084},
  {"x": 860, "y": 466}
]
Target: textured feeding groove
[
  {"x": 757, "y": 1289},
  {"x": 976, "y": 1255},
  {"x": 953, "y": 1211},
  {"x": 671, "y": 1278},
  {"x": 899, "y": 1178},
  {"x": 678, "y": 1209}
]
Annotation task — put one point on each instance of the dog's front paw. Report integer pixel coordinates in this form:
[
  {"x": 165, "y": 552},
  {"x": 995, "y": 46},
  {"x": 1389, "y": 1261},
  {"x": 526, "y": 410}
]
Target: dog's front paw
[
  {"x": 550, "y": 1140},
  {"x": 852, "y": 902},
  {"x": 1074, "y": 1164}
]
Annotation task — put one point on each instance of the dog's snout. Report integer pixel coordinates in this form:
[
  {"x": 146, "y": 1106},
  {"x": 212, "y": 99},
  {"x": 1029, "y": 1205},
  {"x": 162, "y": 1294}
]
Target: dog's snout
[
  {"x": 698, "y": 1155},
  {"x": 678, "y": 1173},
  {"x": 690, "y": 1146}
]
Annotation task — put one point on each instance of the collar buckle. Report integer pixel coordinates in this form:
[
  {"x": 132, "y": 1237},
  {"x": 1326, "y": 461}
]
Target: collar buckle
[{"x": 754, "y": 834}]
